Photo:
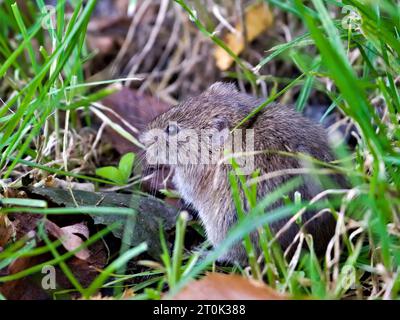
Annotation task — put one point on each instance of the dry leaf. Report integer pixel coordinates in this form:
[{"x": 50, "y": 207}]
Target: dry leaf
[
  {"x": 30, "y": 288},
  {"x": 218, "y": 286},
  {"x": 128, "y": 294},
  {"x": 24, "y": 288},
  {"x": 258, "y": 18},
  {"x": 69, "y": 237},
  {"x": 85, "y": 271},
  {"x": 25, "y": 224},
  {"x": 6, "y": 230}
]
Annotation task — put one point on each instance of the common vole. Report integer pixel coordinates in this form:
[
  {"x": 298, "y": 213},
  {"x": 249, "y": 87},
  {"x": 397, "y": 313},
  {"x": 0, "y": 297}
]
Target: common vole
[{"x": 206, "y": 186}]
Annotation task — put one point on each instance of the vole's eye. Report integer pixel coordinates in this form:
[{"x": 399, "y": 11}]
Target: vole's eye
[{"x": 172, "y": 129}]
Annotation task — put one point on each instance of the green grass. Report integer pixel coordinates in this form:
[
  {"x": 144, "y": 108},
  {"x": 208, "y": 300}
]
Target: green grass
[{"x": 44, "y": 79}]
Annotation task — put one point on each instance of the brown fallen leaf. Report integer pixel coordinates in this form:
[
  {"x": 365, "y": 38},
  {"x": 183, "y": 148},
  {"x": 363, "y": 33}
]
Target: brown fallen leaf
[
  {"x": 26, "y": 288},
  {"x": 6, "y": 230},
  {"x": 85, "y": 270},
  {"x": 25, "y": 223},
  {"x": 257, "y": 19},
  {"x": 69, "y": 237},
  {"x": 218, "y": 286},
  {"x": 29, "y": 287}
]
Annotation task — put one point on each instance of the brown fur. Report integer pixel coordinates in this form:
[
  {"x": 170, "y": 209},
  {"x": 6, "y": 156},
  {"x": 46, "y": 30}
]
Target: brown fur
[{"x": 277, "y": 128}]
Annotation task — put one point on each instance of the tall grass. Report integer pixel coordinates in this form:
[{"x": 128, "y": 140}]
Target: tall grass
[{"x": 42, "y": 55}]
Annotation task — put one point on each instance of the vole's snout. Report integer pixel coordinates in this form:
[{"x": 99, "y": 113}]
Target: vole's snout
[
  {"x": 140, "y": 138},
  {"x": 145, "y": 139}
]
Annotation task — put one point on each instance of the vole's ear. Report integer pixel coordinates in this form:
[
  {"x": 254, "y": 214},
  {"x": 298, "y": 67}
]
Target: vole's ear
[{"x": 222, "y": 88}]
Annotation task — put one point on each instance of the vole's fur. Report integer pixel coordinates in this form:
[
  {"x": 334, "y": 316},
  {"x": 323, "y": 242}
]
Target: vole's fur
[{"x": 276, "y": 128}]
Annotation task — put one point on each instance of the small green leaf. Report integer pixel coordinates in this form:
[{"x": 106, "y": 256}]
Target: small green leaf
[
  {"x": 111, "y": 173},
  {"x": 126, "y": 165}
]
